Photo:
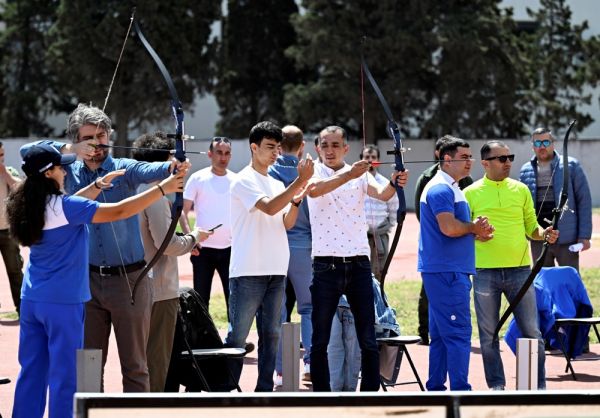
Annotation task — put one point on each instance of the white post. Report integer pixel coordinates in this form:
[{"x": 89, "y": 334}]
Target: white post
[
  {"x": 527, "y": 364},
  {"x": 89, "y": 370},
  {"x": 290, "y": 337}
]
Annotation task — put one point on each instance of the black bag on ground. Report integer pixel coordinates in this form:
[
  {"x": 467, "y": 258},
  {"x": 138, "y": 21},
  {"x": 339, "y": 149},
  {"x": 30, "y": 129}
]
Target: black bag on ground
[{"x": 195, "y": 326}]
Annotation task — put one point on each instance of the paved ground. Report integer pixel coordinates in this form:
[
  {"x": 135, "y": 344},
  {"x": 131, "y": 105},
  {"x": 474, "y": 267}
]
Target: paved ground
[{"x": 403, "y": 268}]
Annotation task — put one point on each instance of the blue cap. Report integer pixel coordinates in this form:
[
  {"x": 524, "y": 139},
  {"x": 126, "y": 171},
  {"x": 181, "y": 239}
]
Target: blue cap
[{"x": 42, "y": 157}]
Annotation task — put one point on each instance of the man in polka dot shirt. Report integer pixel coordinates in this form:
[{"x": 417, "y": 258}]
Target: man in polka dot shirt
[{"x": 340, "y": 251}]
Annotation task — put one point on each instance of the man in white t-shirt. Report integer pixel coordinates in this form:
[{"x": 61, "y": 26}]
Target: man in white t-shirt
[
  {"x": 208, "y": 190},
  {"x": 261, "y": 211},
  {"x": 340, "y": 252}
]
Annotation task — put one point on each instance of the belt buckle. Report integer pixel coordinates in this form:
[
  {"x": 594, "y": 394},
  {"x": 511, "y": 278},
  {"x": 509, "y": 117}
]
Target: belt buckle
[
  {"x": 346, "y": 260},
  {"x": 102, "y": 273}
]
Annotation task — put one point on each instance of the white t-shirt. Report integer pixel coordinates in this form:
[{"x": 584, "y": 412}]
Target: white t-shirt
[
  {"x": 212, "y": 202},
  {"x": 259, "y": 245},
  {"x": 337, "y": 219}
]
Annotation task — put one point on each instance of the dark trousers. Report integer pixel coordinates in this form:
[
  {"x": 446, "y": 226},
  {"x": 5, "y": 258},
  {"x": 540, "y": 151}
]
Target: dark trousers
[
  {"x": 204, "y": 266},
  {"x": 11, "y": 254},
  {"x": 111, "y": 305},
  {"x": 558, "y": 254},
  {"x": 331, "y": 280}
]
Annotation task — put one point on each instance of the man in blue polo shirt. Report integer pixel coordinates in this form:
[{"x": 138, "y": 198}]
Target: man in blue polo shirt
[
  {"x": 116, "y": 250},
  {"x": 446, "y": 259}
]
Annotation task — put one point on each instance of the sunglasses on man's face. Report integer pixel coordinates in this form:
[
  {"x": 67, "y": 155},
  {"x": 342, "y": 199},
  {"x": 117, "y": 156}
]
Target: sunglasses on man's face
[
  {"x": 502, "y": 158},
  {"x": 542, "y": 142},
  {"x": 221, "y": 139}
]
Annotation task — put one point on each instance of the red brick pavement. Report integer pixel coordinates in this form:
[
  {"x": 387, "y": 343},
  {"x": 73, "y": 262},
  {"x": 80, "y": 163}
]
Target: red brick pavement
[{"x": 403, "y": 267}]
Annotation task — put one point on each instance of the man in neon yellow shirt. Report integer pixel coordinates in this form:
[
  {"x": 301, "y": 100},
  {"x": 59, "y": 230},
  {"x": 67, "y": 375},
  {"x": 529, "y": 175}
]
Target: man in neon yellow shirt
[{"x": 503, "y": 263}]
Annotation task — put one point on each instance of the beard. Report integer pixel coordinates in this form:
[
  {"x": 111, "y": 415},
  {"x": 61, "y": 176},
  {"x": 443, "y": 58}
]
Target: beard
[{"x": 99, "y": 156}]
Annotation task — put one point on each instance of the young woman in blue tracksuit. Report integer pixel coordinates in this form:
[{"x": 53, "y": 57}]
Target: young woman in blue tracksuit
[{"x": 55, "y": 284}]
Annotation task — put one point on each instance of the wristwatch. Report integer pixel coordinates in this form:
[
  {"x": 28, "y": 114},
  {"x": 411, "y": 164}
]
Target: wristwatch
[{"x": 296, "y": 204}]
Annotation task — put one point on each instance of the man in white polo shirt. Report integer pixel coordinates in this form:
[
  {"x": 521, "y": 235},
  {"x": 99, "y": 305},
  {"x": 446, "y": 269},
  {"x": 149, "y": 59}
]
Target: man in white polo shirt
[
  {"x": 261, "y": 211},
  {"x": 340, "y": 252}
]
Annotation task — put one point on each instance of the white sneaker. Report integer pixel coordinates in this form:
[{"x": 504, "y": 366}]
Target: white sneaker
[
  {"x": 306, "y": 374},
  {"x": 278, "y": 379}
]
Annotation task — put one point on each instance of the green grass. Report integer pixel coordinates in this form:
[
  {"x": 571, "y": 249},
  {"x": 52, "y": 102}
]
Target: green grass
[{"x": 404, "y": 297}]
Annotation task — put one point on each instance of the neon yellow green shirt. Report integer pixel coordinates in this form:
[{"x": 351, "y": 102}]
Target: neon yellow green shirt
[{"x": 509, "y": 208}]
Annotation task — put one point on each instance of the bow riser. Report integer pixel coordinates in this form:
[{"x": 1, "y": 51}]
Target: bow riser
[
  {"x": 393, "y": 131},
  {"x": 178, "y": 116}
]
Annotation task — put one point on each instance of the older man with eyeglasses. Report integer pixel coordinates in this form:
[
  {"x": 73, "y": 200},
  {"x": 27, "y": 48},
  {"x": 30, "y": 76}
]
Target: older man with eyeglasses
[
  {"x": 543, "y": 174},
  {"x": 503, "y": 263}
]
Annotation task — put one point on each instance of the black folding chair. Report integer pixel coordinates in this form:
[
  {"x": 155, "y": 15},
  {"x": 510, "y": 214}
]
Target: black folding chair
[
  {"x": 389, "y": 366},
  {"x": 573, "y": 322}
]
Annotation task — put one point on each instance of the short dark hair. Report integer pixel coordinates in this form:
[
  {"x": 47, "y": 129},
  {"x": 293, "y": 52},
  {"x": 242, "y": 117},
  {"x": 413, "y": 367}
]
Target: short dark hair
[
  {"x": 441, "y": 141},
  {"x": 542, "y": 130},
  {"x": 317, "y": 137},
  {"x": 370, "y": 148},
  {"x": 451, "y": 145},
  {"x": 331, "y": 129},
  {"x": 157, "y": 147},
  {"x": 218, "y": 140},
  {"x": 265, "y": 129},
  {"x": 486, "y": 149}
]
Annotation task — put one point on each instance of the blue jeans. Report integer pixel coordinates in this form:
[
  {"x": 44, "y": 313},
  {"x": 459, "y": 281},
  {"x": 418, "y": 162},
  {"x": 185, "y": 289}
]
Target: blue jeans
[
  {"x": 343, "y": 352},
  {"x": 249, "y": 296},
  {"x": 50, "y": 335},
  {"x": 332, "y": 278},
  {"x": 450, "y": 329},
  {"x": 488, "y": 287},
  {"x": 300, "y": 274}
]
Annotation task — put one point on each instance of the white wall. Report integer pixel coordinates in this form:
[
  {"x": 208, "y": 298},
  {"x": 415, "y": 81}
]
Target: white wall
[{"x": 587, "y": 152}]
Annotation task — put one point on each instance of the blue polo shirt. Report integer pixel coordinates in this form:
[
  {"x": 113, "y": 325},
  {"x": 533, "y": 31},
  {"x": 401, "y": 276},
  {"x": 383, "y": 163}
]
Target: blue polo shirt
[
  {"x": 439, "y": 253},
  {"x": 57, "y": 271},
  {"x": 115, "y": 243}
]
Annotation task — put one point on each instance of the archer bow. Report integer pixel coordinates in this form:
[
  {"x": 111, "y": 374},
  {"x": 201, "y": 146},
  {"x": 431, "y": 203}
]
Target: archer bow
[
  {"x": 557, "y": 213},
  {"x": 177, "y": 109},
  {"x": 393, "y": 130}
]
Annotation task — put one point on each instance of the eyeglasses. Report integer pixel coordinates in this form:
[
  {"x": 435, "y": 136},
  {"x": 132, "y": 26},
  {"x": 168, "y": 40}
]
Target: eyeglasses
[
  {"x": 502, "y": 158},
  {"x": 542, "y": 142}
]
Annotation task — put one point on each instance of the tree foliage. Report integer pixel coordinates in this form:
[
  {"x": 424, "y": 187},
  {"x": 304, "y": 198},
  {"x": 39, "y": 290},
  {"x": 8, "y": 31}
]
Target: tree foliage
[
  {"x": 562, "y": 61},
  {"x": 24, "y": 97},
  {"x": 252, "y": 66},
  {"x": 86, "y": 42},
  {"x": 398, "y": 44},
  {"x": 459, "y": 66},
  {"x": 481, "y": 73}
]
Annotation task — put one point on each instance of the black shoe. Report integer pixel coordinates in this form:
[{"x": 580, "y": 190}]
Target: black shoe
[
  {"x": 4, "y": 380},
  {"x": 424, "y": 340},
  {"x": 249, "y": 347}
]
